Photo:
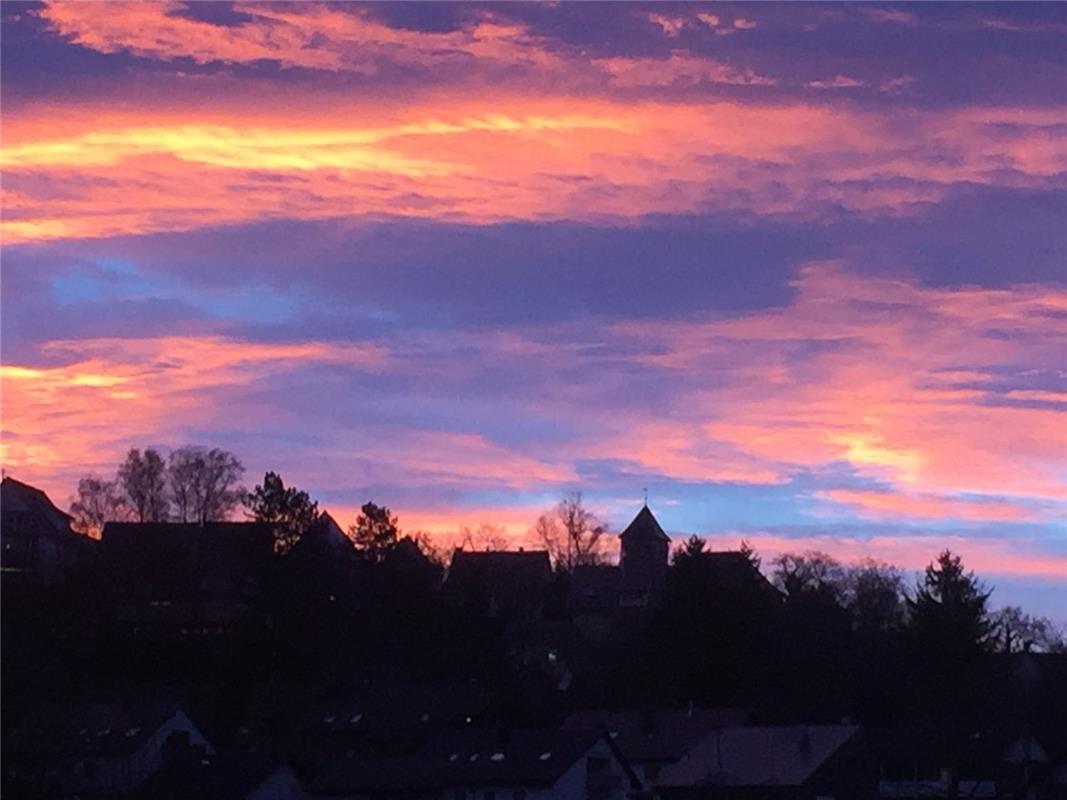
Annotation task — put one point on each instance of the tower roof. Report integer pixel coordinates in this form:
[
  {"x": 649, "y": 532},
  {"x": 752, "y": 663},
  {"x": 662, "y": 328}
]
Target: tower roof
[{"x": 644, "y": 526}]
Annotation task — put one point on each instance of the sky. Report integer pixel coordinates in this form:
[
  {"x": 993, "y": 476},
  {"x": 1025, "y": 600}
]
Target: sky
[{"x": 800, "y": 271}]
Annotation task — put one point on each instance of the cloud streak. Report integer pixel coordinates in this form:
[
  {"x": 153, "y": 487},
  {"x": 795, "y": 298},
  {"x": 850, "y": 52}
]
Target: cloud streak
[{"x": 512, "y": 160}]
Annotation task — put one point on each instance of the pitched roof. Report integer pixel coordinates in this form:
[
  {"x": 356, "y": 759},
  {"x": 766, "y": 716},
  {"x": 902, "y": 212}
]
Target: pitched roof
[
  {"x": 225, "y": 777},
  {"x": 785, "y": 755},
  {"x": 232, "y": 542},
  {"x": 63, "y": 731},
  {"x": 506, "y": 572},
  {"x": 18, "y": 496},
  {"x": 324, "y": 535},
  {"x": 643, "y": 526},
  {"x": 733, "y": 571},
  {"x": 389, "y": 709},
  {"x": 500, "y": 560},
  {"x": 664, "y": 734},
  {"x": 468, "y": 758}
]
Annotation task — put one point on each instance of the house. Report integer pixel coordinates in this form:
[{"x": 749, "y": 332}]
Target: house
[
  {"x": 794, "y": 762},
  {"x": 174, "y": 580},
  {"x": 732, "y": 575},
  {"x": 37, "y": 543},
  {"x": 653, "y": 739},
  {"x": 501, "y": 583},
  {"x": 324, "y": 538},
  {"x": 98, "y": 748},
  {"x": 487, "y": 764},
  {"x": 387, "y": 718},
  {"x": 230, "y": 776},
  {"x": 928, "y": 760}
]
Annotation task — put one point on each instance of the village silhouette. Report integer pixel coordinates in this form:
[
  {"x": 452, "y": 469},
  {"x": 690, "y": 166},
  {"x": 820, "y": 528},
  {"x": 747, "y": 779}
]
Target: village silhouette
[{"x": 156, "y": 647}]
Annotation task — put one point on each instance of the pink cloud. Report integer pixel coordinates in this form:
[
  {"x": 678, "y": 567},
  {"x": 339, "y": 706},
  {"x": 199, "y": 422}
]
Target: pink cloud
[
  {"x": 875, "y": 397},
  {"x": 671, "y": 26},
  {"x": 679, "y": 68},
  {"x": 837, "y": 82},
  {"x": 310, "y": 36},
  {"x": 897, "y": 505},
  {"x": 987, "y": 557},
  {"x": 893, "y": 15}
]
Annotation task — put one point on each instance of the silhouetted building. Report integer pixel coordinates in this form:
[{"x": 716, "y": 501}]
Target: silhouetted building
[
  {"x": 653, "y": 739},
  {"x": 227, "y": 776},
  {"x": 98, "y": 749},
  {"x": 731, "y": 574},
  {"x": 170, "y": 579},
  {"x": 794, "y": 762},
  {"x": 387, "y": 719},
  {"x": 478, "y": 764},
  {"x": 642, "y": 560},
  {"x": 636, "y": 583},
  {"x": 37, "y": 543},
  {"x": 500, "y": 583},
  {"x": 324, "y": 538}
]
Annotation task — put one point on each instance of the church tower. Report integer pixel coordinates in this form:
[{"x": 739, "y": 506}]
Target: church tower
[{"x": 643, "y": 560}]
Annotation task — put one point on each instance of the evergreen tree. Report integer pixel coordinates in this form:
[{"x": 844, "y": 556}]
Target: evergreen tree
[
  {"x": 949, "y": 612},
  {"x": 288, "y": 510},
  {"x": 376, "y": 531}
]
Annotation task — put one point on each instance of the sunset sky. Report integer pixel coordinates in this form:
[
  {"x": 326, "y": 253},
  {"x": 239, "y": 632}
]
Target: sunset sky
[{"x": 800, "y": 270}]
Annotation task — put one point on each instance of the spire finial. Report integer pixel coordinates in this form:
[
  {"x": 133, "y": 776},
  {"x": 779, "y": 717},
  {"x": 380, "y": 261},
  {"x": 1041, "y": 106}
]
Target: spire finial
[{"x": 645, "y": 490}]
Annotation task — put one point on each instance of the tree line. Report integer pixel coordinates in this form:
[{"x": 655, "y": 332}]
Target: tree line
[
  {"x": 947, "y": 607},
  {"x": 191, "y": 484}
]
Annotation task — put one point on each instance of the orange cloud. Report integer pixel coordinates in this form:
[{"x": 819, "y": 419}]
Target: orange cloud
[
  {"x": 500, "y": 158},
  {"x": 104, "y": 395},
  {"x": 874, "y": 394}
]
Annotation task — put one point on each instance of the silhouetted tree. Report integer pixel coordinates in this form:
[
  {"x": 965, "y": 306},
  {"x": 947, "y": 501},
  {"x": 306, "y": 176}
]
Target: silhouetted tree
[
  {"x": 288, "y": 510},
  {"x": 484, "y": 537},
  {"x": 1016, "y": 631},
  {"x": 750, "y": 553},
  {"x": 571, "y": 533},
  {"x": 688, "y": 552},
  {"x": 376, "y": 531},
  {"x": 809, "y": 575},
  {"x": 875, "y": 598},
  {"x": 144, "y": 479},
  {"x": 948, "y": 611},
  {"x": 204, "y": 484},
  {"x": 99, "y": 501}
]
